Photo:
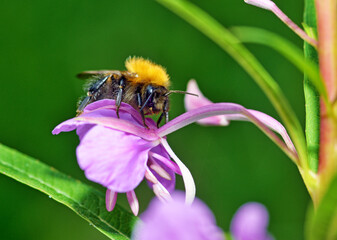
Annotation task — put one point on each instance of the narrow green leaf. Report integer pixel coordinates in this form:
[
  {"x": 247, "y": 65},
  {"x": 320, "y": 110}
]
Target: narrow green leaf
[
  {"x": 285, "y": 48},
  {"x": 312, "y": 107},
  {"x": 323, "y": 223},
  {"x": 228, "y": 42},
  {"x": 313, "y": 82},
  {"x": 86, "y": 201}
]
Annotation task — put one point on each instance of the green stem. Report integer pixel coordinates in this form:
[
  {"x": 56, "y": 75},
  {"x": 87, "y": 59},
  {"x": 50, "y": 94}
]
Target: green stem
[{"x": 312, "y": 107}]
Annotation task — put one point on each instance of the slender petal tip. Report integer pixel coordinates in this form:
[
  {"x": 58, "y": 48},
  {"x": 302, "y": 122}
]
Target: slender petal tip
[
  {"x": 266, "y": 4},
  {"x": 191, "y": 102}
]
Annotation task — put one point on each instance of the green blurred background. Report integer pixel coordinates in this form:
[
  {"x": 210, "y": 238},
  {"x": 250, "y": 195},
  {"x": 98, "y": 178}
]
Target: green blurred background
[{"x": 45, "y": 43}]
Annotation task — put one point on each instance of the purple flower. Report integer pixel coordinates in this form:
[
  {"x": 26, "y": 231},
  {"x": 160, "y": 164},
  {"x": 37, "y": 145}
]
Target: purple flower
[
  {"x": 120, "y": 159},
  {"x": 250, "y": 222},
  {"x": 120, "y": 153},
  {"x": 178, "y": 221},
  {"x": 175, "y": 220}
]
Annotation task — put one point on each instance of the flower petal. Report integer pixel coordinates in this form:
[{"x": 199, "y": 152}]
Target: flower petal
[
  {"x": 178, "y": 221},
  {"x": 103, "y": 113},
  {"x": 83, "y": 129},
  {"x": 126, "y": 112},
  {"x": 107, "y": 117},
  {"x": 67, "y": 126},
  {"x": 250, "y": 222},
  {"x": 114, "y": 159},
  {"x": 192, "y": 102},
  {"x": 266, "y": 4}
]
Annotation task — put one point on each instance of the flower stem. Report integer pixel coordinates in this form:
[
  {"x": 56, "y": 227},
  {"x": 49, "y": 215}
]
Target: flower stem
[{"x": 225, "y": 109}]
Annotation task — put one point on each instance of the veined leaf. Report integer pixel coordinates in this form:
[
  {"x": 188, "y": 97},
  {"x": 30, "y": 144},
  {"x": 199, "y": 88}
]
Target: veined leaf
[{"x": 86, "y": 201}]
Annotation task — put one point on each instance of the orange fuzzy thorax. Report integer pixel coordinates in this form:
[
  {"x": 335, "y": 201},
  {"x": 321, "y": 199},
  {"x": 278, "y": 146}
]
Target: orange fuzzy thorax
[{"x": 148, "y": 72}]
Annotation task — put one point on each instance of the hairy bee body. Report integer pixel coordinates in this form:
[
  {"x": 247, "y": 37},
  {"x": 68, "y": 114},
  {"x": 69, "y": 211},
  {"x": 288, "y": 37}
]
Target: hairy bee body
[{"x": 144, "y": 86}]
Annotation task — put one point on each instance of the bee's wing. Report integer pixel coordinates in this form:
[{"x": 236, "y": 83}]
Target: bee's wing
[{"x": 91, "y": 74}]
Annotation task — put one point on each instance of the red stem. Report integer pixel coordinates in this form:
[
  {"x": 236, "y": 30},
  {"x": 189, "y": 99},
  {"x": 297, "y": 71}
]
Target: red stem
[{"x": 327, "y": 49}]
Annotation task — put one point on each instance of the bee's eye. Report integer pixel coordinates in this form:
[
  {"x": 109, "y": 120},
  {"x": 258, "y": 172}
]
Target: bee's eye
[
  {"x": 149, "y": 90},
  {"x": 150, "y": 93}
]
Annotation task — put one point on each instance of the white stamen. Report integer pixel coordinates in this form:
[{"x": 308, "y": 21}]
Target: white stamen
[
  {"x": 161, "y": 171},
  {"x": 186, "y": 174},
  {"x": 133, "y": 202},
  {"x": 161, "y": 192},
  {"x": 166, "y": 161},
  {"x": 150, "y": 177},
  {"x": 110, "y": 199}
]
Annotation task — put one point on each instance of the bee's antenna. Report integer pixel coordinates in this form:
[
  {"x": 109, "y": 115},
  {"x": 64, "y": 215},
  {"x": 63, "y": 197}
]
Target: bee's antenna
[{"x": 182, "y": 92}]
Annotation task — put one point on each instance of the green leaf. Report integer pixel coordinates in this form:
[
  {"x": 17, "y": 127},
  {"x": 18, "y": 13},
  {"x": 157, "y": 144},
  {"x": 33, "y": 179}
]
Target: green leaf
[
  {"x": 287, "y": 49},
  {"x": 86, "y": 201},
  {"x": 228, "y": 42},
  {"x": 323, "y": 223},
  {"x": 312, "y": 98},
  {"x": 313, "y": 83}
]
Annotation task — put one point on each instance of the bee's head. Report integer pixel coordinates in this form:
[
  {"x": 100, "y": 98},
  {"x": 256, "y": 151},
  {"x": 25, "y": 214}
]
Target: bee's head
[{"x": 155, "y": 99}]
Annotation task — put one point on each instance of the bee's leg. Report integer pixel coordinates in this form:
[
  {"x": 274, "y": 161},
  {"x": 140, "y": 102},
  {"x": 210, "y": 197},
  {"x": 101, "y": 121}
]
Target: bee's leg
[
  {"x": 83, "y": 104},
  {"x": 91, "y": 95},
  {"x": 164, "y": 113},
  {"x": 120, "y": 95},
  {"x": 139, "y": 103},
  {"x": 148, "y": 99},
  {"x": 97, "y": 85},
  {"x": 166, "y": 117},
  {"x": 159, "y": 119}
]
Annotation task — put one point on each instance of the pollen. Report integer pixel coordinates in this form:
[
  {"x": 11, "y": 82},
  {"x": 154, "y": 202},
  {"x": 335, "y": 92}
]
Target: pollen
[{"x": 148, "y": 72}]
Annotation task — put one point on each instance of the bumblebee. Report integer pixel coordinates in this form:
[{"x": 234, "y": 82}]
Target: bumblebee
[{"x": 144, "y": 86}]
